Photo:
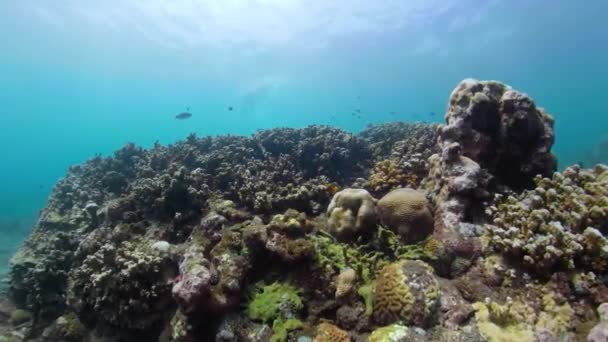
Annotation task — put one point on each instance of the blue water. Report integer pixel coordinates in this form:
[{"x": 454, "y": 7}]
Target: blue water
[{"x": 85, "y": 77}]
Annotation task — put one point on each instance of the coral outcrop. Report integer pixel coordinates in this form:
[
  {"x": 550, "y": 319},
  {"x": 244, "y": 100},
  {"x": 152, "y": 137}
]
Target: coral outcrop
[
  {"x": 494, "y": 138},
  {"x": 502, "y": 130}
]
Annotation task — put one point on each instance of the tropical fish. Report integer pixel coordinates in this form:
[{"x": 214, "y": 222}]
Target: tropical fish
[
  {"x": 184, "y": 115},
  {"x": 230, "y": 108},
  {"x": 432, "y": 114}
]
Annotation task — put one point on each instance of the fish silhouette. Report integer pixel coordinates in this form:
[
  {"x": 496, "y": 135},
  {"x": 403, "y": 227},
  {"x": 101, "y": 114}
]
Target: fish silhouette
[{"x": 184, "y": 115}]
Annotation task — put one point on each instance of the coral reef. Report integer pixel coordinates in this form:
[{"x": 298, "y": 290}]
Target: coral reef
[
  {"x": 406, "y": 212},
  {"x": 279, "y": 237}
]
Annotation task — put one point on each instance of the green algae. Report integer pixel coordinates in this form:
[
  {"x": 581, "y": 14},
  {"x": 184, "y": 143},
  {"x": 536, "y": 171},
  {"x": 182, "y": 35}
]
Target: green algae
[
  {"x": 366, "y": 292},
  {"x": 281, "y": 327},
  {"x": 269, "y": 301},
  {"x": 391, "y": 333},
  {"x": 20, "y": 316}
]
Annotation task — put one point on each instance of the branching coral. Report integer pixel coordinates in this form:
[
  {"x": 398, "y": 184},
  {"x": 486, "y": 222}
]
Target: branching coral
[
  {"x": 558, "y": 224},
  {"x": 388, "y": 175},
  {"x": 125, "y": 285}
]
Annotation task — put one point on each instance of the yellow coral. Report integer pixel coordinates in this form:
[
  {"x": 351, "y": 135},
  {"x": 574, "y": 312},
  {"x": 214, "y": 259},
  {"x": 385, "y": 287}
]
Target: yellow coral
[
  {"x": 554, "y": 318},
  {"x": 405, "y": 291},
  {"x": 516, "y": 321},
  {"x": 494, "y": 332},
  {"x": 330, "y": 333}
]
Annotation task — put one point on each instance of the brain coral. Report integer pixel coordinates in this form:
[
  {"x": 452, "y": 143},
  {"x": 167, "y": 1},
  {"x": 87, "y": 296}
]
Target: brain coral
[
  {"x": 406, "y": 212},
  {"x": 406, "y": 291},
  {"x": 559, "y": 224},
  {"x": 352, "y": 213}
]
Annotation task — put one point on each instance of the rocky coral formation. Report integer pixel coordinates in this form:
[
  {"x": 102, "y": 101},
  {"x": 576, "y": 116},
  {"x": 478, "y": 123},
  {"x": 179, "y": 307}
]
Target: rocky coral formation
[
  {"x": 228, "y": 238},
  {"x": 406, "y": 212},
  {"x": 502, "y": 130},
  {"x": 494, "y": 138}
]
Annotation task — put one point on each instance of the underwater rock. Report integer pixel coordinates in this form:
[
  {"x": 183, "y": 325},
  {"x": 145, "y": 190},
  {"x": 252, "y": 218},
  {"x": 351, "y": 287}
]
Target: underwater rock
[
  {"x": 20, "y": 316},
  {"x": 599, "y": 333},
  {"x": 406, "y": 212},
  {"x": 406, "y": 291},
  {"x": 352, "y": 213},
  {"x": 494, "y": 138},
  {"x": 502, "y": 130},
  {"x": 352, "y": 317}
]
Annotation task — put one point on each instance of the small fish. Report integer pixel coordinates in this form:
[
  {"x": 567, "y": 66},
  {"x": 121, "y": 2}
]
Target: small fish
[
  {"x": 184, "y": 115},
  {"x": 392, "y": 113},
  {"x": 432, "y": 114},
  {"x": 230, "y": 108}
]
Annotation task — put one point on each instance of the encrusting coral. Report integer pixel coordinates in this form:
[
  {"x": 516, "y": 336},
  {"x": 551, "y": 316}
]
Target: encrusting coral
[{"x": 327, "y": 332}]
